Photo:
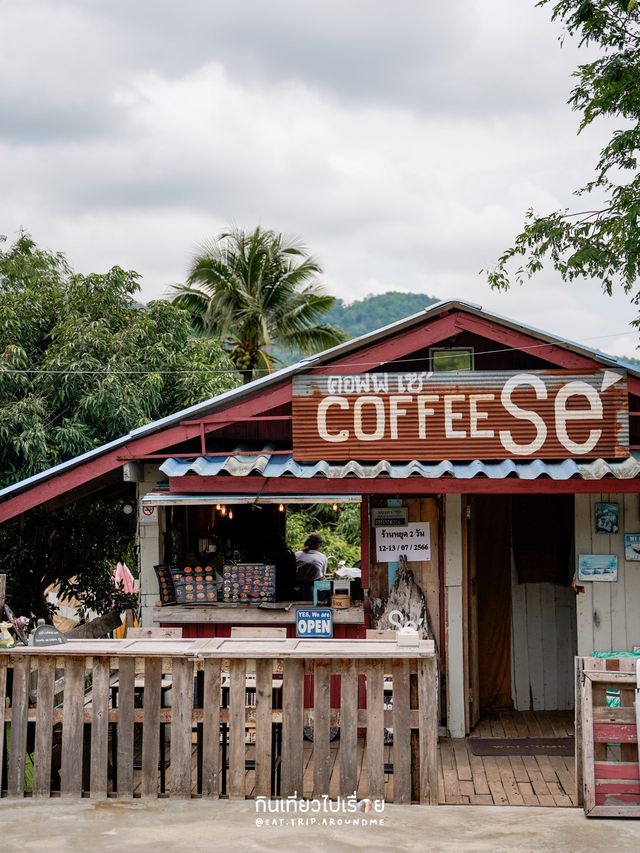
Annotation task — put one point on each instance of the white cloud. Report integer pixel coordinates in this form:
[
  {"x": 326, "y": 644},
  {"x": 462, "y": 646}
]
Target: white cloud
[{"x": 402, "y": 148}]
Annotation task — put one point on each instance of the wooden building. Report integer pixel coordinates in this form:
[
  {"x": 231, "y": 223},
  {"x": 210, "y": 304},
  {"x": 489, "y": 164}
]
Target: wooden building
[{"x": 508, "y": 456}]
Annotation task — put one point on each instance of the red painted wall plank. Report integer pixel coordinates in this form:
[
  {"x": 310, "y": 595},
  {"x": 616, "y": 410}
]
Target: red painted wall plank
[
  {"x": 615, "y": 770},
  {"x": 614, "y": 733},
  {"x": 617, "y": 799},
  {"x": 617, "y": 788}
]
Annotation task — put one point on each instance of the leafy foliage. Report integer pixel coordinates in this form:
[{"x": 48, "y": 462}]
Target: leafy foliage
[
  {"x": 603, "y": 242},
  {"x": 373, "y": 312},
  {"x": 253, "y": 290},
  {"x": 82, "y": 363},
  {"x": 340, "y": 530}
]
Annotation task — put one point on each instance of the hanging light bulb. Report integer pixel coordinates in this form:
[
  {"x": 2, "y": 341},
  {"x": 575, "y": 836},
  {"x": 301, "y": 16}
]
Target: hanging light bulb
[
  {"x": 281, "y": 508},
  {"x": 223, "y": 510},
  {"x": 335, "y": 507},
  {"x": 218, "y": 507},
  {"x": 230, "y": 513}
]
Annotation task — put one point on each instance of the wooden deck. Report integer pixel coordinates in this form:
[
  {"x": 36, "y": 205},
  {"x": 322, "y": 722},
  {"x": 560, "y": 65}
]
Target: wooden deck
[
  {"x": 463, "y": 778},
  {"x": 541, "y": 780}
]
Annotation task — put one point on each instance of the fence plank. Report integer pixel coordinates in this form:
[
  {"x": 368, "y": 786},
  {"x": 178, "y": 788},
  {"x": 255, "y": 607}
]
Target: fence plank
[
  {"x": 428, "y": 705},
  {"x": 349, "y": 728},
  {"x": 19, "y": 723},
  {"x": 321, "y": 723},
  {"x": 3, "y": 704},
  {"x": 375, "y": 728},
  {"x": 588, "y": 783},
  {"x": 72, "y": 727},
  {"x": 126, "y": 699},
  {"x": 181, "y": 722},
  {"x": 99, "y": 727},
  {"x": 151, "y": 726},
  {"x": 292, "y": 727},
  {"x": 44, "y": 727},
  {"x": 211, "y": 729},
  {"x": 401, "y": 733},
  {"x": 237, "y": 715},
  {"x": 264, "y": 690}
]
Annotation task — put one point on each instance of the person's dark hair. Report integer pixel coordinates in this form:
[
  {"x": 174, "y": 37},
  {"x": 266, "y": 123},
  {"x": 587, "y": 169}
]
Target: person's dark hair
[{"x": 314, "y": 541}]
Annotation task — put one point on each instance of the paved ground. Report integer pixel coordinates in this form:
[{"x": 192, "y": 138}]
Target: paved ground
[{"x": 166, "y": 826}]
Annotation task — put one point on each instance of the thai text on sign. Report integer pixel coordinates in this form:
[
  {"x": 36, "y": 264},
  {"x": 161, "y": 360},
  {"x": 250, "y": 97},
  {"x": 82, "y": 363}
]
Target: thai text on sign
[
  {"x": 412, "y": 542},
  {"x": 550, "y": 414}
]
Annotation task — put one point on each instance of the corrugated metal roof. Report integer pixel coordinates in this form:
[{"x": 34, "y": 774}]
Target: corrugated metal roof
[
  {"x": 264, "y": 464},
  {"x": 242, "y": 391}
]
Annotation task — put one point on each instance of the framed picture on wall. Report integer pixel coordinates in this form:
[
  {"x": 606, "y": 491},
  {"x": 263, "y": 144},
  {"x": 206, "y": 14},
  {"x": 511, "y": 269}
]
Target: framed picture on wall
[
  {"x": 632, "y": 546},
  {"x": 598, "y": 567},
  {"x": 607, "y": 518}
]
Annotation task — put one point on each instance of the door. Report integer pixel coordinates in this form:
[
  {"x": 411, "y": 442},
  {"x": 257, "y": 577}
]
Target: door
[{"x": 470, "y": 605}]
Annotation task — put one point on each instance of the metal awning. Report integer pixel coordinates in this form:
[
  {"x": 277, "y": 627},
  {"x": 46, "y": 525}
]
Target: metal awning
[
  {"x": 265, "y": 464},
  {"x": 158, "y": 498}
]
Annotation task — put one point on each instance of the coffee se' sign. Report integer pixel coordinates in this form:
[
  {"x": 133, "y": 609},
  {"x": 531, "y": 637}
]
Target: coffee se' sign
[{"x": 479, "y": 414}]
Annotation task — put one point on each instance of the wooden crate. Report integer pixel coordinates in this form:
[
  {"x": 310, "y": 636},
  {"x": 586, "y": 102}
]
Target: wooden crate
[{"x": 607, "y": 767}]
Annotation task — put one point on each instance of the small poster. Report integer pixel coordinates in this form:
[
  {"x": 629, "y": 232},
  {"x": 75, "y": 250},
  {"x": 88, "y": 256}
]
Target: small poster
[
  {"x": 412, "y": 542},
  {"x": 598, "y": 567},
  {"x": 632, "y": 546},
  {"x": 394, "y": 516},
  {"x": 607, "y": 518}
]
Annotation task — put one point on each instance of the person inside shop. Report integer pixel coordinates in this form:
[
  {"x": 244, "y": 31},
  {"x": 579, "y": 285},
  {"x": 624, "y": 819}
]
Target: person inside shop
[
  {"x": 277, "y": 552},
  {"x": 311, "y": 565}
]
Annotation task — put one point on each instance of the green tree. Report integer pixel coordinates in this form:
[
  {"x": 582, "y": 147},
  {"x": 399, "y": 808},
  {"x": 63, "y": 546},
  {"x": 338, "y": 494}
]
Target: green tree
[
  {"x": 82, "y": 363},
  {"x": 600, "y": 240},
  {"x": 254, "y": 290}
]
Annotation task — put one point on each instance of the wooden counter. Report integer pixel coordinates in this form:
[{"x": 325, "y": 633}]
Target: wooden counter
[{"x": 179, "y": 614}]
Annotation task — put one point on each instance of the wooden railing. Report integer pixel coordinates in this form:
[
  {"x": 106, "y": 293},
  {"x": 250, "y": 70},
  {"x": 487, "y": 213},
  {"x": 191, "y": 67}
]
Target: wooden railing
[
  {"x": 607, "y": 767},
  {"x": 154, "y": 717}
]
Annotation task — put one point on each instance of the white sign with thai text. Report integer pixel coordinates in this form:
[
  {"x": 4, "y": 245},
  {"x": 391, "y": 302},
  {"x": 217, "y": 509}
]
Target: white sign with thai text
[{"x": 412, "y": 542}]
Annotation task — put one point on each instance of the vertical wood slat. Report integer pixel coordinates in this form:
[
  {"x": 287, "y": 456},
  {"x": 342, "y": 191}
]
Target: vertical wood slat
[
  {"x": 151, "y": 726},
  {"x": 578, "y": 665},
  {"x": 292, "y": 727},
  {"x": 237, "y": 719},
  {"x": 19, "y": 722},
  {"x": 321, "y": 724},
  {"x": 401, "y": 733},
  {"x": 44, "y": 727},
  {"x": 211, "y": 729},
  {"x": 428, "y": 710},
  {"x": 264, "y": 691},
  {"x": 126, "y": 699},
  {"x": 3, "y": 690},
  {"x": 99, "y": 727},
  {"x": 588, "y": 754},
  {"x": 349, "y": 728},
  {"x": 375, "y": 728},
  {"x": 181, "y": 724},
  {"x": 72, "y": 727}
]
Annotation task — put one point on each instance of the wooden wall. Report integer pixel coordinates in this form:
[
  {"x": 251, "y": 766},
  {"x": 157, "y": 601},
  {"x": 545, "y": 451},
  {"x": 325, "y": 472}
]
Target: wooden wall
[
  {"x": 543, "y": 645},
  {"x": 608, "y": 614}
]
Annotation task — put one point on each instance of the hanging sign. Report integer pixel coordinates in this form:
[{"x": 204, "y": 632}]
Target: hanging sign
[
  {"x": 412, "y": 542},
  {"x": 389, "y": 516},
  {"x": 551, "y": 414},
  {"x": 314, "y": 623}
]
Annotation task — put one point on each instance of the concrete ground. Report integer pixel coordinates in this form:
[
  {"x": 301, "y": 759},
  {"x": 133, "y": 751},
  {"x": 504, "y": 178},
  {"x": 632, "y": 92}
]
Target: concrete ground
[{"x": 197, "y": 825}]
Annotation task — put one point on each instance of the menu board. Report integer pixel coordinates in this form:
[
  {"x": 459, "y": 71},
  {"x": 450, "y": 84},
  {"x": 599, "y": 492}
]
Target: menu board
[
  {"x": 194, "y": 585},
  {"x": 249, "y": 582}
]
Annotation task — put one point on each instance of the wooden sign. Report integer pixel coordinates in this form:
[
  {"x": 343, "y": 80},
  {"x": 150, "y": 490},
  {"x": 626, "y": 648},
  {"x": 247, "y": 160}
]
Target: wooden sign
[
  {"x": 47, "y": 635},
  {"x": 551, "y": 414}
]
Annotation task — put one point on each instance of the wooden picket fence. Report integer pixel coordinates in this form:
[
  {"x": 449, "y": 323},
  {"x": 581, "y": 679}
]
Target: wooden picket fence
[
  {"x": 155, "y": 717},
  {"x": 607, "y": 767}
]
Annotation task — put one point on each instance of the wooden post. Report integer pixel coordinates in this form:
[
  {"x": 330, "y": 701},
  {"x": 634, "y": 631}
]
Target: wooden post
[
  {"x": 321, "y": 722},
  {"x": 19, "y": 712},
  {"x": 126, "y": 697},
  {"x": 72, "y": 727},
  {"x": 181, "y": 722},
  {"x": 428, "y": 700},
  {"x": 44, "y": 726},
  {"x": 211, "y": 729},
  {"x": 349, "y": 728},
  {"x": 292, "y": 727},
  {"x": 401, "y": 733},
  {"x": 3, "y": 592},
  {"x": 415, "y": 741}
]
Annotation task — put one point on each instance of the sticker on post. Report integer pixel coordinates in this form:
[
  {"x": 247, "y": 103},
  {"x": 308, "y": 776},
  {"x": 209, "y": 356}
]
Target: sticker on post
[{"x": 314, "y": 623}]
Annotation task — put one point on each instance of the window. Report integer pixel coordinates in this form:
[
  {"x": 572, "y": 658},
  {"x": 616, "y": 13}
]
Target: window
[{"x": 451, "y": 358}]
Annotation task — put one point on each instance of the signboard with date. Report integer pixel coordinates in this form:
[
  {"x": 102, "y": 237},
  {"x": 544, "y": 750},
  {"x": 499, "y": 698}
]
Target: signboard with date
[{"x": 412, "y": 542}]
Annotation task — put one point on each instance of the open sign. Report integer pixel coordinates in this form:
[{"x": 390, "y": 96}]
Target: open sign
[{"x": 314, "y": 623}]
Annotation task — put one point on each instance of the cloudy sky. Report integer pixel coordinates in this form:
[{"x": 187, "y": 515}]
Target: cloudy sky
[{"x": 401, "y": 142}]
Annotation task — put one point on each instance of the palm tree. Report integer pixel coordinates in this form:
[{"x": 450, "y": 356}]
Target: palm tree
[{"x": 256, "y": 290}]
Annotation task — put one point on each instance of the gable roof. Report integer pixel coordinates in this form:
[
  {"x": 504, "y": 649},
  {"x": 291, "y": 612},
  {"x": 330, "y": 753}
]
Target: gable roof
[{"x": 258, "y": 386}]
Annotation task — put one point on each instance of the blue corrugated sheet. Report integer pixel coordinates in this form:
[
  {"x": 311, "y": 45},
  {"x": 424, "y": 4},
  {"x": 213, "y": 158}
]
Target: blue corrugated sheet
[{"x": 264, "y": 464}]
